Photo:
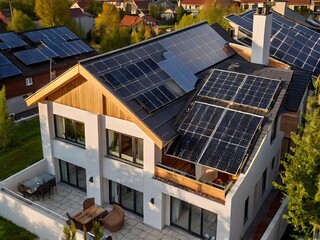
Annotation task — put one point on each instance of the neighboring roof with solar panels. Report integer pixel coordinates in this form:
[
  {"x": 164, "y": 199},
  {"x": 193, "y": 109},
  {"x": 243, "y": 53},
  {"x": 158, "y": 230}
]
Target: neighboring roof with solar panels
[
  {"x": 30, "y": 52},
  {"x": 290, "y": 42}
]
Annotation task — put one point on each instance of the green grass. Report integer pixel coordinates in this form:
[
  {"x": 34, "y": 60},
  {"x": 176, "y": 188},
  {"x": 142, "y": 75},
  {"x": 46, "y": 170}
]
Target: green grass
[
  {"x": 27, "y": 151},
  {"x": 9, "y": 230}
]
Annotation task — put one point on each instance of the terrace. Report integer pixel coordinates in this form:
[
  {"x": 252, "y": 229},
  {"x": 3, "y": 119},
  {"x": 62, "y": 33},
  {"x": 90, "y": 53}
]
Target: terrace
[
  {"x": 50, "y": 212},
  {"x": 210, "y": 182}
]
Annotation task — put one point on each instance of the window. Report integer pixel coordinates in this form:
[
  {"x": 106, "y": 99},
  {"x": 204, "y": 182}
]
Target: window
[
  {"x": 125, "y": 147},
  {"x": 264, "y": 181},
  {"x": 70, "y": 130},
  {"x": 272, "y": 163},
  {"x": 246, "y": 208},
  {"x": 29, "y": 81},
  {"x": 193, "y": 219},
  {"x": 274, "y": 129}
]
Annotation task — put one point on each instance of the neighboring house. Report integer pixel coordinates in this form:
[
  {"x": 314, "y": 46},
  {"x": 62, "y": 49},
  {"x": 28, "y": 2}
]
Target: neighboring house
[
  {"x": 297, "y": 46},
  {"x": 180, "y": 129},
  {"x": 301, "y": 5},
  {"x": 85, "y": 20},
  {"x": 134, "y": 21},
  {"x": 130, "y": 21},
  {"x": 5, "y": 16},
  {"x": 191, "y": 6},
  {"x": 137, "y": 7},
  {"x": 25, "y": 61},
  {"x": 83, "y": 5}
]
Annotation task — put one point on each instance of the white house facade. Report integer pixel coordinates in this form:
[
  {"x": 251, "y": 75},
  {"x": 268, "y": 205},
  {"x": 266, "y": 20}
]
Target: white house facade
[{"x": 120, "y": 148}]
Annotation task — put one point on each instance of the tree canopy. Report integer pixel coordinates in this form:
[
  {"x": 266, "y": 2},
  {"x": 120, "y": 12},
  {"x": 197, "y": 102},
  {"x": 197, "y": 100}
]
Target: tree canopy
[
  {"x": 6, "y": 123},
  {"x": 108, "y": 19},
  {"x": 53, "y": 12},
  {"x": 20, "y": 22},
  {"x": 301, "y": 175}
]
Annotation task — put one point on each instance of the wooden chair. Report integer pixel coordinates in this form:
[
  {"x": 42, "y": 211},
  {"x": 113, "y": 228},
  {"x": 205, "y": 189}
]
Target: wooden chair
[
  {"x": 43, "y": 189},
  {"x": 88, "y": 203},
  {"x": 53, "y": 184}
]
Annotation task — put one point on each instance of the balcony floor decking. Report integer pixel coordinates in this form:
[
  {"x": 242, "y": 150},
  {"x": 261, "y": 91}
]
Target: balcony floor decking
[{"x": 69, "y": 199}]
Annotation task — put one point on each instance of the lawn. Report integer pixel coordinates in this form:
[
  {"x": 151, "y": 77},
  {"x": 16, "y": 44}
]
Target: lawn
[
  {"x": 27, "y": 151},
  {"x": 9, "y": 230}
]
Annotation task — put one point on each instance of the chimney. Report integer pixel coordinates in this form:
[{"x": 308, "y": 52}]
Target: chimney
[
  {"x": 280, "y": 7},
  {"x": 262, "y": 22}
]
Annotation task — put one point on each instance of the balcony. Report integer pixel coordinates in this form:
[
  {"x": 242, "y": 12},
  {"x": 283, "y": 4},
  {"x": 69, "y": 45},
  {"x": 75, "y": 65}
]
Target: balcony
[{"x": 212, "y": 184}]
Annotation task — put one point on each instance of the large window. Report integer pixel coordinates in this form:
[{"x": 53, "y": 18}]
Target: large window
[
  {"x": 193, "y": 219},
  {"x": 69, "y": 130},
  {"x": 127, "y": 197},
  {"x": 73, "y": 175},
  {"x": 246, "y": 208},
  {"x": 125, "y": 147}
]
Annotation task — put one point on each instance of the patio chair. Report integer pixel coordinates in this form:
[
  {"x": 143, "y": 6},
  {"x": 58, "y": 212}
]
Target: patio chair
[
  {"x": 23, "y": 190},
  {"x": 115, "y": 219},
  {"x": 88, "y": 203},
  {"x": 71, "y": 220},
  {"x": 43, "y": 189},
  {"x": 53, "y": 184}
]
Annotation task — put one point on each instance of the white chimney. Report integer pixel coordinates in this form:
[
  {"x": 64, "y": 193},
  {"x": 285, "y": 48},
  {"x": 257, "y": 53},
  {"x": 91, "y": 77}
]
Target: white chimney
[
  {"x": 280, "y": 7},
  {"x": 261, "y": 34}
]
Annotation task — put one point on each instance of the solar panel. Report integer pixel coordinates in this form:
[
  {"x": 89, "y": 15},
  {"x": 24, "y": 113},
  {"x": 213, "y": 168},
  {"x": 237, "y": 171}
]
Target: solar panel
[
  {"x": 198, "y": 48},
  {"x": 215, "y": 137},
  {"x": 10, "y": 40},
  {"x": 290, "y": 42},
  {"x": 257, "y": 92},
  {"x": 31, "y": 56},
  {"x": 253, "y": 91},
  {"x": 7, "y": 69},
  {"x": 222, "y": 85},
  {"x": 195, "y": 130},
  {"x": 48, "y": 52}
]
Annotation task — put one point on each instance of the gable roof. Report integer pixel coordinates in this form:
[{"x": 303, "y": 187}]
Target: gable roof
[
  {"x": 76, "y": 12},
  {"x": 193, "y": 2},
  {"x": 129, "y": 20}
]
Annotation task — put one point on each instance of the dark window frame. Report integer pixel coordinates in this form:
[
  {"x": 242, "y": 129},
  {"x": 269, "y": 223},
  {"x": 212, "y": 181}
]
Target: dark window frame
[
  {"x": 246, "y": 211},
  {"x": 74, "y": 125},
  {"x": 133, "y": 143}
]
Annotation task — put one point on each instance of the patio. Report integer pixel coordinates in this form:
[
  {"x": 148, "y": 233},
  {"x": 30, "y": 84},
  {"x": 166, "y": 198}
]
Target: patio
[{"x": 69, "y": 199}]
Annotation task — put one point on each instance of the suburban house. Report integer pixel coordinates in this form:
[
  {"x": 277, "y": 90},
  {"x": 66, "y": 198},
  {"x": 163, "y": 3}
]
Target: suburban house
[
  {"x": 135, "y": 21},
  {"x": 191, "y": 6},
  {"x": 294, "y": 44},
  {"x": 182, "y": 129},
  {"x": 27, "y": 58},
  {"x": 292, "y": 4},
  {"x": 85, "y": 20}
]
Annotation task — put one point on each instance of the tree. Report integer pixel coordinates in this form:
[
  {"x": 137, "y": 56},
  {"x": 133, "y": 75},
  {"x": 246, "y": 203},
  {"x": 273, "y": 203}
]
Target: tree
[
  {"x": 6, "y": 122},
  {"x": 187, "y": 20},
  {"x": 20, "y": 22},
  {"x": 108, "y": 19},
  {"x": 180, "y": 13},
  {"x": 25, "y": 6},
  {"x": 214, "y": 12},
  {"x": 301, "y": 175},
  {"x": 53, "y": 12},
  {"x": 95, "y": 7},
  {"x": 137, "y": 34},
  {"x": 149, "y": 33},
  {"x": 115, "y": 39},
  {"x": 69, "y": 232}
]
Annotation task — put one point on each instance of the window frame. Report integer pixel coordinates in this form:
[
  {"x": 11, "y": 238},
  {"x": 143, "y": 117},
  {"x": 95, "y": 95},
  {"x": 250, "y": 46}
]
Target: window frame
[
  {"x": 29, "y": 81},
  {"x": 81, "y": 143},
  {"x": 134, "y": 141}
]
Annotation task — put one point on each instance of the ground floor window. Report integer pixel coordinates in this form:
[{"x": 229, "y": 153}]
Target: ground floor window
[
  {"x": 127, "y": 197},
  {"x": 73, "y": 174},
  {"x": 193, "y": 219}
]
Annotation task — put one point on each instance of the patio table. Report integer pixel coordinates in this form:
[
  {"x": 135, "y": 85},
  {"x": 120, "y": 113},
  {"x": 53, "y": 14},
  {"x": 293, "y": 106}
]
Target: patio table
[
  {"x": 33, "y": 183},
  {"x": 89, "y": 214}
]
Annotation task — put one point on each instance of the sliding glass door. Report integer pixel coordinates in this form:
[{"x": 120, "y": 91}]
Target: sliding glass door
[
  {"x": 73, "y": 174},
  {"x": 193, "y": 219},
  {"x": 127, "y": 197}
]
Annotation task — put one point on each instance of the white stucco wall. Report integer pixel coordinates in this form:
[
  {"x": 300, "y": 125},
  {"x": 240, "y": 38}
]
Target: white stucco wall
[{"x": 245, "y": 185}]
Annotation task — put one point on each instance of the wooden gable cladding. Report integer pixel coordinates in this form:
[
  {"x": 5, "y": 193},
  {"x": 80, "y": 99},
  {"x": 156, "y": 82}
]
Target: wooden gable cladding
[
  {"x": 289, "y": 123},
  {"x": 82, "y": 94}
]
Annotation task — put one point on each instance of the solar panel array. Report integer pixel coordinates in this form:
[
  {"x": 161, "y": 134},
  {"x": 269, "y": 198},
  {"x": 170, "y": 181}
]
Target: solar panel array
[
  {"x": 10, "y": 40},
  {"x": 58, "y": 42},
  {"x": 216, "y": 137},
  {"x": 253, "y": 91},
  {"x": 290, "y": 42},
  {"x": 160, "y": 71},
  {"x": 7, "y": 69}
]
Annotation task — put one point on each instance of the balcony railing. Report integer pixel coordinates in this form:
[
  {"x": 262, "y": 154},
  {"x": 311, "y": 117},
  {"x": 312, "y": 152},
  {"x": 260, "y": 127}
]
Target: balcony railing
[{"x": 188, "y": 181}]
